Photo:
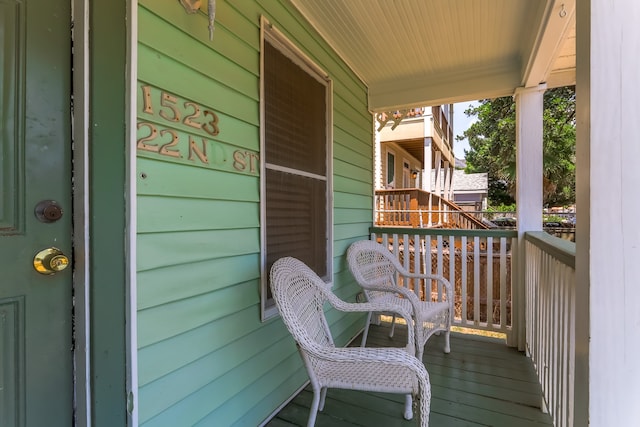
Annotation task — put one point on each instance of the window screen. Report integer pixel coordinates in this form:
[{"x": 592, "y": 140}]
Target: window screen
[{"x": 295, "y": 191}]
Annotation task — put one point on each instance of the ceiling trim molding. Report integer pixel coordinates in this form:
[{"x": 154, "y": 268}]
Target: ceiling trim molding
[
  {"x": 562, "y": 78},
  {"x": 558, "y": 20},
  {"x": 446, "y": 89}
]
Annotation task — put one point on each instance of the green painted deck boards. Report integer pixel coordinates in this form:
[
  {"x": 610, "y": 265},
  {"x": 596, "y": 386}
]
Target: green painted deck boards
[{"x": 481, "y": 382}]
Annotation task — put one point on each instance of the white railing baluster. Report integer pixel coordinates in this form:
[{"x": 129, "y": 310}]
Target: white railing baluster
[
  {"x": 417, "y": 257},
  {"x": 476, "y": 281},
  {"x": 550, "y": 317},
  {"x": 489, "y": 259},
  {"x": 452, "y": 264},
  {"x": 439, "y": 268},
  {"x": 463, "y": 279},
  {"x": 503, "y": 282},
  {"x": 406, "y": 262}
]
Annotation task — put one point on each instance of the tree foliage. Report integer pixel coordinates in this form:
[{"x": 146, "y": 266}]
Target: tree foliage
[{"x": 492, "y": 146}]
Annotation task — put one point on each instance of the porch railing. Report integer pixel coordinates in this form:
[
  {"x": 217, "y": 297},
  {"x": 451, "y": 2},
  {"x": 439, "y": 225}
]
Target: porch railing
[
  {"x": 550, "y": 320},
  {"x": 412, "y": 207},
  {"x": 476, "y": 262}
]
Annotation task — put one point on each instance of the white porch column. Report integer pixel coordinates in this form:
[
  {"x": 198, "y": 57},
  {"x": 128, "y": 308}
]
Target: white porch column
[
  {"x": 437, "y": 171},
  {"x": 426, "y": 167},
  {"x": 528, "y": 194},
  {"x": 447, "y": 180},
  {"x": 377, "y": 152},
  {"x": 607, "y": 388},
  {"x": 438, "y": 184}
]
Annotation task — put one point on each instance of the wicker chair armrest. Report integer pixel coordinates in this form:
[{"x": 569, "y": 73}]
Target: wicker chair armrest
[
  {"x": 377, "y": 306},
  {"x": 438, "y": 277},
  {"x": 382, "y": 286}
]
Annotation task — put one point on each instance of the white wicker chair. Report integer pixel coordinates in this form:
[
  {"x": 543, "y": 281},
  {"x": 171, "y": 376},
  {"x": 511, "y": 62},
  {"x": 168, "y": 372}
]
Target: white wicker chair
[
  {"x": 376, "y": 269},
  {"x": 300, "y": 296}
]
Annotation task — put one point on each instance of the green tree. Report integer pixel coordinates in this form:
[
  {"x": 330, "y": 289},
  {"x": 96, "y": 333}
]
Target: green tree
[{"x": 492, "y": 143}]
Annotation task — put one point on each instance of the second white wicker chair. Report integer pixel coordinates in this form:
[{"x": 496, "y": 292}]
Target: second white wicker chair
[
  {"x": 376, "y": 269},
  {"x": 300, "y": 296}
]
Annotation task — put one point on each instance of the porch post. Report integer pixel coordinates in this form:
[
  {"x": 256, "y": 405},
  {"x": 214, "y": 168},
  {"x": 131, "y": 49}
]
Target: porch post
[
  {"x": 447, "y": 180},
  {"x": 438, "y": 181},
  {"x": 528, "y": 195},
  {"x": 607, "y": 344},
  {"x": 378, "y": 182},
  {"x": 426, "y": 166}
]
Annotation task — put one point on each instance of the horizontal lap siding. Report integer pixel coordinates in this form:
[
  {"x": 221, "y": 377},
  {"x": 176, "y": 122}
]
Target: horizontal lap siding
[{"x": 204, "y": 356}]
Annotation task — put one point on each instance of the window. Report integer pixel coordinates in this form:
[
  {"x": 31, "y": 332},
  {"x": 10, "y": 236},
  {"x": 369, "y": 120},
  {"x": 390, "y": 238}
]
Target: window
[
  {"x": 391, "y": 170},
  {"x": 296, "y": 154},
  {"x": 406, "y": 175}
]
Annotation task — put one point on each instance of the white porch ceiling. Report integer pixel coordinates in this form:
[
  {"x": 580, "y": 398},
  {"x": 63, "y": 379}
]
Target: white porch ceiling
[{"x": 429, "y": 52}]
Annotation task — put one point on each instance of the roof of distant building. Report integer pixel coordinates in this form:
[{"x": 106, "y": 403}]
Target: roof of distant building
[
  {"x": 467, "y": 182},
  {"x": 470, "y": 181}
]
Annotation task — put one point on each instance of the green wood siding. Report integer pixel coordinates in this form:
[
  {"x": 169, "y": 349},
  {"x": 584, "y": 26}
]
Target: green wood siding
[{"x": 204, "y": 356}]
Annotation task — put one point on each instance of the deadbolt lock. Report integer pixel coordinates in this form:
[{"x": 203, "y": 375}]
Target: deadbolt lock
[
  {"x": 48, "y": 211},
  {"x": 50, "y": 261}
]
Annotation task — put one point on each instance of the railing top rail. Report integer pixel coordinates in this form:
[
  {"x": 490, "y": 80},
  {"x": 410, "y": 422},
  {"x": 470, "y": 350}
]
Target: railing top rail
[
  {"x": 444, "y": 232},
  {"x": 561, "y": 249}
]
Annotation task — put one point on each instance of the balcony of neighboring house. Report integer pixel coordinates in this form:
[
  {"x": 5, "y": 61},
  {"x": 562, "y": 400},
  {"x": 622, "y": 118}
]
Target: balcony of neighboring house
[
  {"x": 412, "y": 207},
  {"x": 415, "y": 176},
  {"x": 510, "y": 362}
]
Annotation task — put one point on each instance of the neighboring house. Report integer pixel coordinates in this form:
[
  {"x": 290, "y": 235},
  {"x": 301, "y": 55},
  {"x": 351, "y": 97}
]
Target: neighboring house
[
  {"x": 470, "y": 190},
  {"x": 162, "y": 156},
  {"x": 412, "y": 143}
]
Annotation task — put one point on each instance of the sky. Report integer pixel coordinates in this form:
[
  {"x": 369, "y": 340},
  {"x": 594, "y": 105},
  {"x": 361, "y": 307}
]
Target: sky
[{"x": 461, "y": 123}]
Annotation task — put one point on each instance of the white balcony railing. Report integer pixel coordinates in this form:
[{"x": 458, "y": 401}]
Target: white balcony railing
[
  {"x": 476, "y": 262},
  {"x": 550, "y": 319}
]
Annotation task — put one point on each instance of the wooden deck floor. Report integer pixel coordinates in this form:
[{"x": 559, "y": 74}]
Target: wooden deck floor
[{"x": 481, "y": 382}]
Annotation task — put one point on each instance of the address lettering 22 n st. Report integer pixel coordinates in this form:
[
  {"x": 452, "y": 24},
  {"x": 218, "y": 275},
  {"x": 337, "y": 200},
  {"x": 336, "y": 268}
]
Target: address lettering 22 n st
[{"x": 180, "y": 129}]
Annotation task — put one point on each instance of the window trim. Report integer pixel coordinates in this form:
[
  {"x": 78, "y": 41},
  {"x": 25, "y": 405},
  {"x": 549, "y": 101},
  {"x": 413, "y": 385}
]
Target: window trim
[
  {"x": 270, "y": 34},
  {"x": 406, "y": 173},
  {"x": 393, "y": 166}
]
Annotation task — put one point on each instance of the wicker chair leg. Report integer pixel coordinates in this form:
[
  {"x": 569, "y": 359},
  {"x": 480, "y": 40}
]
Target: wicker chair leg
[
  {"x": 365, "y": 333},
  {"x": 447, "y": 346},
  {"x": 393, "y": 326},
  {"x": 408, "y": 407},
  {"x": 323, "y": 397},
  {"x": 313, "y": 412}
]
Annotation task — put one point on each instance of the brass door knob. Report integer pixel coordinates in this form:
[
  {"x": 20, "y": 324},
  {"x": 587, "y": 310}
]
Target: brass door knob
[{"x": 50, "y": 261}]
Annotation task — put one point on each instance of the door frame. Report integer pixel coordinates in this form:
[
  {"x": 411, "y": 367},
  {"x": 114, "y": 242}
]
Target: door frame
[{"x": 105, "y": 356}]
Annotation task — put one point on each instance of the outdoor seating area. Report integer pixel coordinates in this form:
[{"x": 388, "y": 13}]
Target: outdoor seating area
[
  {"x": 482, "y": 382},
  {"x": 384, "y": 379}
]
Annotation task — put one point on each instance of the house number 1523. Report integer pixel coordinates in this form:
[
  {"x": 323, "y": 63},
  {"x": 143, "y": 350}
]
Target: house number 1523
[{"x": 185, "y": 112}]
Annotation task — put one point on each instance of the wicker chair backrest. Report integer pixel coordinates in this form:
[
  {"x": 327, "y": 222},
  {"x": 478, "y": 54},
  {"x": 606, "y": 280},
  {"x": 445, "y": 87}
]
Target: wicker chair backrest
[
  {"x": 300, "y": 296},
  {"x": 372, "y": 264}
]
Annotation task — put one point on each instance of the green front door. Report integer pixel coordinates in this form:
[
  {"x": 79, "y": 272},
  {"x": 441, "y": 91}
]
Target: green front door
[{"x": 36, "y": 311}]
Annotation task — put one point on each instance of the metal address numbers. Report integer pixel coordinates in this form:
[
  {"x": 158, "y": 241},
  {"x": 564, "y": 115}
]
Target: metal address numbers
[
  {"x": 189, "y": 113},
  {"x": 181, "y": 130}
]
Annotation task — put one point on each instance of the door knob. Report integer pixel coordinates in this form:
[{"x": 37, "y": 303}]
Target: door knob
[{"x": 50, "y": 261}]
